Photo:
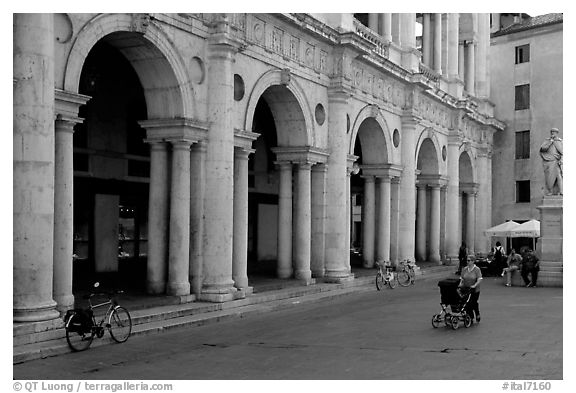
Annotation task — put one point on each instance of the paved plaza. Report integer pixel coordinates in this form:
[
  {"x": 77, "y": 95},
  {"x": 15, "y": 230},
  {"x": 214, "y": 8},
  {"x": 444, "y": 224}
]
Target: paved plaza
[{"x": 367, "y": 335}]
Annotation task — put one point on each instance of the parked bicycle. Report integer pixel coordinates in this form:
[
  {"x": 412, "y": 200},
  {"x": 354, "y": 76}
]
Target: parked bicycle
[
  {"x": 81, "y": 324},
  {"x": 406, "y": 275},
  {"x": 385, "y": 275}
]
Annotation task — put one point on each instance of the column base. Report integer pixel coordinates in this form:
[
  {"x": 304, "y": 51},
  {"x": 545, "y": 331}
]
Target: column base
[
  {"x": 241, "y": 293},
  {"x": 178, "y": 289},
  {"x": 64, "y": 303},
  {"x": 36, "y": 314},
  {"x": 318, "y": 274},
  {"x": 338, "y": 277},
  {"x": 217, "y": 297},
  {"x": 306, "y": 280},
  {"x": 155, "y": 287},
  {"x": 284, "y": 273}
]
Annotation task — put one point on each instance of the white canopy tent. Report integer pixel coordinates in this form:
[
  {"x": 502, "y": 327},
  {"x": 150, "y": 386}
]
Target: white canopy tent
[
  {"x": 502, "y": 230},
  {"x": 527, "y": 229}
]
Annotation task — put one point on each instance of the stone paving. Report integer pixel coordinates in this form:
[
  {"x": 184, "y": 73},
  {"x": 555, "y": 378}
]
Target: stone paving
[{"x": 363, "y": 336}]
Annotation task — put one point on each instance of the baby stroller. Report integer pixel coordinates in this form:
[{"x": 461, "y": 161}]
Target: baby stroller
[{"x": 454, "y": 302}]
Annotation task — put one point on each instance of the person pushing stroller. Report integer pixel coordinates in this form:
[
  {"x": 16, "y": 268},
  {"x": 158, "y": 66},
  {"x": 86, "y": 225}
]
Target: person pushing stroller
[{"x": 470, "y": 279}]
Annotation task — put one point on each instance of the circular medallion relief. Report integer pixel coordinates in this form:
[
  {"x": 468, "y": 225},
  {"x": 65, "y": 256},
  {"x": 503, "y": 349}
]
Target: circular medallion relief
[
  {"x": 238, "y": 87},
  {"x": 197, "y": 71},
  {"x": 444, "y": 153},
  {"x": 320, "y": 114},
  {"x": 396, "y": 137}
]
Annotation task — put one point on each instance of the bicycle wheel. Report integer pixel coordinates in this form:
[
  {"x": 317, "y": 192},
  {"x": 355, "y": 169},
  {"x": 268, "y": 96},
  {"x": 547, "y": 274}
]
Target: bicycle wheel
[
  {"x": 77, "y": 339},
  {"x": 392, "y": 281},
  {"x": 403, "y": 278},
  {"x": 379, "y": 281},
  {"x": 120, "y": 324}
]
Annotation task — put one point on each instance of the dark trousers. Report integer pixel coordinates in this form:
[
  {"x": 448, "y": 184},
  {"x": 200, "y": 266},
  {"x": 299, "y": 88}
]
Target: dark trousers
[
  {"x": 472, "y": 307},
  {"x": 461, "y": 264},
  {"x": 533, "y": 272}
]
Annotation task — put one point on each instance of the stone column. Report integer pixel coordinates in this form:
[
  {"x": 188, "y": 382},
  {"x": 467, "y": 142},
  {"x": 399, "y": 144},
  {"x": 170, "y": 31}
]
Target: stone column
[
  {"x": 396, "y": 24},
  {"x": 337, "y": 254},
  {"x": 461, "y": 61},
  {"x": 470, "y": 68},
  {"x": 179, "y": 237},
  {"x": 438, "y": 43},
  {"x": 318, "y": 216},
  {"x": 422, "y": 223},
  {"x": 408, "y": 32},
  {"x": 373, "y": 21},
  {"x": 240, "y": 220},
  {"x": 33, "y": 167},
  {"x": 483, "y": 219},
  {"x": 197, "y": 185},
  {"x": 368, "y": 216},
  {"x": 453, "y": 45},
  {"x": 387, "y": 26},
  {"x": 394, "y": 218},
  {"x": 470, "y": 221},
  {"x": 452, "y": 191},
  {"x": 426, "y": 40},
  {"x": 482, "y": 54},
  {"x": 302, "y": 224},
  {"x": 284, "y": 269},
  {"x": 383, "y": 244},
  {"x": 63, "y": 213},
  {"x": 218, "y": 285},
  {"x": 434, "y": 253},
  {"x": 407, "y": 221},
  {"x": 158, "y": 216}
]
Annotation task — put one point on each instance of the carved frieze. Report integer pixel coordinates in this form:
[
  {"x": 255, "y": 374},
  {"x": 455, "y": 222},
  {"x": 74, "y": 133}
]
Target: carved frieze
[
  {"x": 259, "y": 31},
  {"x": 278, "y": 41},
  {"x": 294, "y": 51},
  {"x": 309, "y": 54},
  {"x": 323, "y": 67}
]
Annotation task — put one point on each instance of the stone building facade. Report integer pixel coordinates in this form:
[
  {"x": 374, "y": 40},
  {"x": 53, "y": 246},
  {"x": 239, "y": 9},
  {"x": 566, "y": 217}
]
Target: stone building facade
[
  {"x": 187, "y": 150},
  {"x": 531, "y": 53}
]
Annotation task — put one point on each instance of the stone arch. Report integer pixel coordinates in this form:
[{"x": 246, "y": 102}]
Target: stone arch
[
  {"x": 380, "y": 143},
  {"x": 466, "y": 167},
  {"x": 428, "y": 152},
  {"x": 281, "y": 89},
  {"x": 160, "y": 68}
]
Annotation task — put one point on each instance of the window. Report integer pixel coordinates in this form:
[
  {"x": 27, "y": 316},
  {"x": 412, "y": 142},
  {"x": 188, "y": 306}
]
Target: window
[
  {"x": 523, "y": 54},
  {"x": 522, "y": 97},
  {"x": 523, "y": 191},
  {"x": 522, "y": 145}
]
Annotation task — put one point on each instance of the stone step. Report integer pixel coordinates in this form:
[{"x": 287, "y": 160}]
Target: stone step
[{"x": 51, "y": 342}]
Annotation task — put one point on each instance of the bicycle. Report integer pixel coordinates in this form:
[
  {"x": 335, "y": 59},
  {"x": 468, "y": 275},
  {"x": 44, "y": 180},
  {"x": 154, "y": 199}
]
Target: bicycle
[
  {"x": 385, "y": 275},
  {"x": 406, "y": 276},
  {"x": 81, "y": 325}
]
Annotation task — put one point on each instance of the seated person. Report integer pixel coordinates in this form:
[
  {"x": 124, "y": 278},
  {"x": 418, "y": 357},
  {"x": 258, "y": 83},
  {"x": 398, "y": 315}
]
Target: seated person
[{"x": 514, "y": 261}]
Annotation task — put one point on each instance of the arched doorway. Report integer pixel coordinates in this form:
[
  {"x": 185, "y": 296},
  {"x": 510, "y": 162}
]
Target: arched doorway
[
  {"x": 428, "y": 203},
  {"x": 370, "y": 195},
  {"x": 275, "y": 170},
  {"x": 129, "y": 80},
  {"x": 111, "y": 173},
  {"x": 468, "y": 192}
]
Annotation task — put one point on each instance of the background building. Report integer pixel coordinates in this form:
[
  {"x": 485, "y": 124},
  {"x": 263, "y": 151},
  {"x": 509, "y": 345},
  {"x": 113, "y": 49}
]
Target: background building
[{"x": 526, "y": 89}]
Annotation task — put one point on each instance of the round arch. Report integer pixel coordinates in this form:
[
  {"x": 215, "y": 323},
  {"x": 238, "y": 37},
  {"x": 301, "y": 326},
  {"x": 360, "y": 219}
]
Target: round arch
[
  {"x": 382, "y": 145},
  {"x": 160, "y": 68},
  {"x": 466, "y": 167},
  {"x": 429, "y": 145},
  {"x": 272, "y": 86}
]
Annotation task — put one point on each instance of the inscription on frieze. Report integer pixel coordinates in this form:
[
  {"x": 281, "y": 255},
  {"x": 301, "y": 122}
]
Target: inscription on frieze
[
  {"x": 294, "y": 48},
  {"x": 277, "y": 40}
]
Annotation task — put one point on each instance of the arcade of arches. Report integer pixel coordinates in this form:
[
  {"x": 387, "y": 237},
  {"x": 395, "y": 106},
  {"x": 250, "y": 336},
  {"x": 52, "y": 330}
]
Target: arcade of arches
[{"x": 184, "y": 154}]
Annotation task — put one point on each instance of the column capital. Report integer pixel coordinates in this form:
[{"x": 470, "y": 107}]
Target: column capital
[
  {"x": 66, "y": 124},
  {"x": 284, "y": 165},
  {"x": 173, "y": 129},
  {"x": 368, "y": 178},
  {"x": 180, "y": 144},
  {"x": 158, "y": 145},
  {"x": 67, "y": 104},
  {"x": 242, "y": 153},
  {"x": 244, "y": 138},
  {"x": 321, "y": 167}
]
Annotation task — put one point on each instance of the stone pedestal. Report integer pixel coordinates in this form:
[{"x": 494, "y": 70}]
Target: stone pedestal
[{"x": 549, "y": 246}]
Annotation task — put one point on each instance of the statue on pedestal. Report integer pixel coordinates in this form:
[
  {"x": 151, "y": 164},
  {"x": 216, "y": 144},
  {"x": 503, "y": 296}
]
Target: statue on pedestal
[{"x": 551, "y": 153}]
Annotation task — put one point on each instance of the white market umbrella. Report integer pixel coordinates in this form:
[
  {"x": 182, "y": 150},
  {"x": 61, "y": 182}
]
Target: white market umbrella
[
  {"x": 502, "y": 230},
  {"x": 528, "y": 229}
]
